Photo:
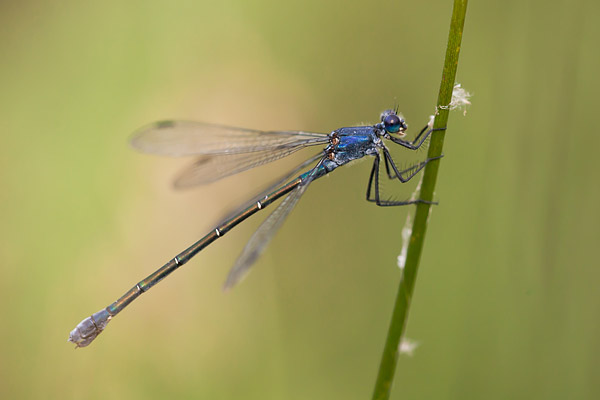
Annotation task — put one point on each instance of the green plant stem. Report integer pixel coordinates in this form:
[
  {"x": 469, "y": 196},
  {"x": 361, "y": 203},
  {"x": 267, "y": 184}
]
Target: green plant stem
[{"x": 387, "y": 367}]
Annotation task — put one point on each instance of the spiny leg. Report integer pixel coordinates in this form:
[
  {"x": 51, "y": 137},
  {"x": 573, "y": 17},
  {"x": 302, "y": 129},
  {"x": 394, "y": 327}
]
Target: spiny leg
[
  {"x": 414, "y": 169},
  {"x": 374, "y": 170},
  {"x": 387, "y": 169},
  {"x": 418, "y": 141},
  {"x": 387, "y": 163},
  {"x": 374, "y": 180}
]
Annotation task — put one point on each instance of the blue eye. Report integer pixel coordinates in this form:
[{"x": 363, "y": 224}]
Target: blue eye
[{"x": 392, "y": 123}]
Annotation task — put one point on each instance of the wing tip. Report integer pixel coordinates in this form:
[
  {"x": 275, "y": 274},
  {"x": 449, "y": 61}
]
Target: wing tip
[
  {"x": 167, "y": 123},
  {"x": 139, "y": 137}
]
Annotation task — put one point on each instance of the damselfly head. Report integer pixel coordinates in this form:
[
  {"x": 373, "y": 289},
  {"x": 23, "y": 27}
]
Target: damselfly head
[{"x": 392, "y": 123}]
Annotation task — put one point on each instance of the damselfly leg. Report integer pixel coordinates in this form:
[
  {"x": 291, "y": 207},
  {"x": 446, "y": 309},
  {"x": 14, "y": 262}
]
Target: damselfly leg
[{"x": 404, "y": 176}]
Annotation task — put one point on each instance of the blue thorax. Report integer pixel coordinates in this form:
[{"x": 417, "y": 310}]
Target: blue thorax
[{"x": 354, "y": 143}]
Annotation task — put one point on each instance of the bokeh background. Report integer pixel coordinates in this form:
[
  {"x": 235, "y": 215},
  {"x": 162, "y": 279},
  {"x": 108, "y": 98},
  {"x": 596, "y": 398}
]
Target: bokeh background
[{"x": 507, "y": 301}]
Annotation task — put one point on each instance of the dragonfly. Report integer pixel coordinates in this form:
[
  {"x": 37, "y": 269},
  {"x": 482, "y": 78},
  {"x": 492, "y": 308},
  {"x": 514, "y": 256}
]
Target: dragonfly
[{"x": 226, "y": 151}]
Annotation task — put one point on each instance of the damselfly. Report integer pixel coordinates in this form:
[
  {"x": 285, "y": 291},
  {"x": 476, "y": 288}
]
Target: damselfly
[{"x": 226, "y": 151}]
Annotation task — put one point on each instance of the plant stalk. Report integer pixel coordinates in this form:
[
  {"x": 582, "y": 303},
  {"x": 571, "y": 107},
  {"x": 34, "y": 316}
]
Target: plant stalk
[{"x": 387, "y": 367}]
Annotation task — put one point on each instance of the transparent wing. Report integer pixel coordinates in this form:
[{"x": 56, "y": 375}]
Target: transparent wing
[
  {"x": 184, "y": 138},
  {"x": 265, "y": 232},
  {"x": 211, "y": 168},
  {"x": 273, "y": 186}
]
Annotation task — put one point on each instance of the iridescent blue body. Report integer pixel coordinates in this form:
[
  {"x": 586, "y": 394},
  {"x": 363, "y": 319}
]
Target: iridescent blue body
[
  {"x": 354, "y": 143},
  {"x": 226, "y": 151}
]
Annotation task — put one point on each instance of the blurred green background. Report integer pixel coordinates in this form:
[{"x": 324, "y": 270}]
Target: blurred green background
[{"x": 506, "y": 302}]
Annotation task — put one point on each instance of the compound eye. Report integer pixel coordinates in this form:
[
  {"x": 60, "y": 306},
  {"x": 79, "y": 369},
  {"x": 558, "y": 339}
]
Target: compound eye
[{"x": 392, "y": 123}]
